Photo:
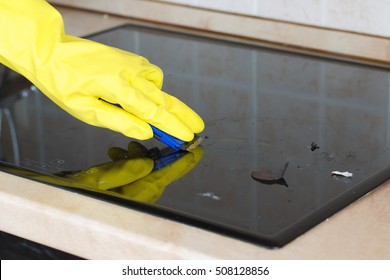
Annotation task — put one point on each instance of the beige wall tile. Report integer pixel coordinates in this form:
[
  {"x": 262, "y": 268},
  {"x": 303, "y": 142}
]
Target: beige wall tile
[
  {"x": 302, "y": 11},
  {"x": 185, "y": 2},
  {"x": 242, "y": 6},
  {"x": 359, "y": 15}
]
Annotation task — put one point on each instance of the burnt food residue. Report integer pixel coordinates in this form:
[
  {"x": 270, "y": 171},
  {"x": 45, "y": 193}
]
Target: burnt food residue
[{"x": 270, "y": 177}]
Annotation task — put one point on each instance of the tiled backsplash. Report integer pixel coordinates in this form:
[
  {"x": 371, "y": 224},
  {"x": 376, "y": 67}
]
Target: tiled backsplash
[{"x": 362, "y": 16}]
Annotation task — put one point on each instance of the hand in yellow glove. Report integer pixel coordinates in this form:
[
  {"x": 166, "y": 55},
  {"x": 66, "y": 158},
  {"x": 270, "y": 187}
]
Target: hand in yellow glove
[{"x": 77, "y": 74}]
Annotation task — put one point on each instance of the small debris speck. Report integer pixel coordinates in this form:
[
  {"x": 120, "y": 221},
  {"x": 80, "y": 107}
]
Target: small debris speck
[
  {"x": 210, "y": 195},
  {"x": 343, "y": 174},
  {"x": 314, "y": 146}
]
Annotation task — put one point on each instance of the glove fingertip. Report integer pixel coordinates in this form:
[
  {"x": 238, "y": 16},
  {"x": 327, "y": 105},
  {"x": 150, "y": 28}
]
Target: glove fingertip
[
  {"x": 198, "y": 124},
  {"x": 138, "y": 132},
  {"x": 117, "y": 119}
]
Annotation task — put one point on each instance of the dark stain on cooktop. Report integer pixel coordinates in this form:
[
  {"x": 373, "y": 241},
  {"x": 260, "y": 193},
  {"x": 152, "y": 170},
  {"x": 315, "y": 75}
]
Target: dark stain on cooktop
[{"x": 271, "y": 177}]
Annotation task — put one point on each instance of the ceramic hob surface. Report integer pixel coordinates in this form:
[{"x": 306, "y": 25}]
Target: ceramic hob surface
[{"x": 264, "y": 110}]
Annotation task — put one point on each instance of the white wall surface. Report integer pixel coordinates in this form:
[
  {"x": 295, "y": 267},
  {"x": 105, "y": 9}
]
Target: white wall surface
[{"x": 363, "y": 16}]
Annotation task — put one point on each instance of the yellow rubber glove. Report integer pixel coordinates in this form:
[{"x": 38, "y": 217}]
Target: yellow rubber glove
[{"x": 76, "y": 74}]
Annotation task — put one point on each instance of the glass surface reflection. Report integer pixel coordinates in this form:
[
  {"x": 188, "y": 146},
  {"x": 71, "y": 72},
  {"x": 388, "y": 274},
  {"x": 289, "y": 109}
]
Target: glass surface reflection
[{"x": 261, "y": 107}]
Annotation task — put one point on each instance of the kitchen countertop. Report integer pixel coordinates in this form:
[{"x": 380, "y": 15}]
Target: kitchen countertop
[{"x": 95, "y": 229}]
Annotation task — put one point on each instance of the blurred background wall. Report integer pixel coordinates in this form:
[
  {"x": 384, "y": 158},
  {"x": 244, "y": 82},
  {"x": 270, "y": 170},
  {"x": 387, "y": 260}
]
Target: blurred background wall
[{"x": 363, "y": 16}]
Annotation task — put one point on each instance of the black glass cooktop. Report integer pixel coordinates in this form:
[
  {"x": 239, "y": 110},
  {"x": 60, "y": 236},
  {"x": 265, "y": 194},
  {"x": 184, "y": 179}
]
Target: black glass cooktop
[{"x": 265, "y": 111}]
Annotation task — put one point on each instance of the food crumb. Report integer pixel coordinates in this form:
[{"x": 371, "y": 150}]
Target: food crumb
[{"x": 314, "y": 146}]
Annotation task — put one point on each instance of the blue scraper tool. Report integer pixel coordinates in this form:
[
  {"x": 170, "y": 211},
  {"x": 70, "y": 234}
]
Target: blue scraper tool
[{"x": 171, "y": 141}]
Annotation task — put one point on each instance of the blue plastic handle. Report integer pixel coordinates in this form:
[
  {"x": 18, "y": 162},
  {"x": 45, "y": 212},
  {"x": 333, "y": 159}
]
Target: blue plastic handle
[{"x": 167, "y": 139}]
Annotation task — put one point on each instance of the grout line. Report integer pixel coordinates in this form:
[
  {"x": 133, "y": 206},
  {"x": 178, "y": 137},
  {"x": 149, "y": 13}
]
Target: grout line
[
  {"x": 255, "y": 93},
  {"x": 322, "y": 104},
  {"x": 388, "y": 120},
  {"x": 137, "y": 46}
]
